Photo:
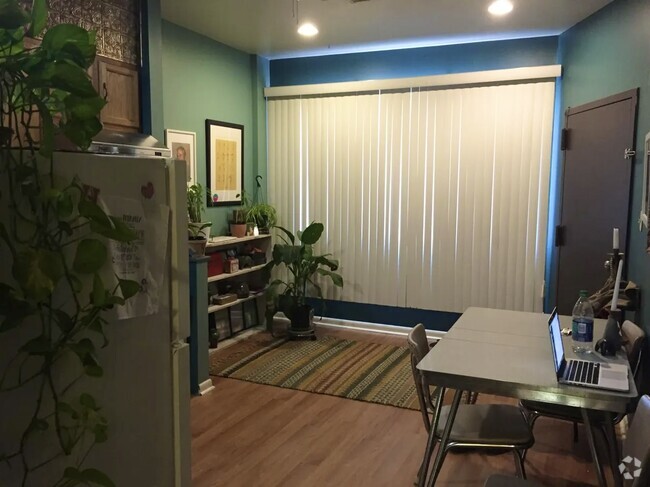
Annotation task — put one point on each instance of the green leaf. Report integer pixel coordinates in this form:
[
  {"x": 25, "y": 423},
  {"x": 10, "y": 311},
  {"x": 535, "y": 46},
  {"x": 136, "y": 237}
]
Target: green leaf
[
  {"x": 47, "y": 131},
  {"x": 97, "y": 325},
  {"x": 94, "y": 370},
  {"x": 100, "y": 432},
  {"x": 93, "y": 212},
  {"x": 129, "y": 288},
  {"x": 292, "y": 239},
  {"x": 37, "y": 271},
  {"x": 312, "y": 233},
  {"x": 63, "y": 320},
  {"x": 90, "y": 257},
  {"x": 11, "y": 15},
  {"x": 336, "y": 278},
  {"x": 96, "y": 477},
  {"x": 88, "y": 401},
  {"x": 84, "y": 108},
  {"x": 81, "y": 132},
  {"x": 37, "y": 346},
  {"x": 115, "y": 230},
  {"x": 70, "y": 43},
  {"x": 39, "y": 18},
  {"x": 99, "y": 292}
]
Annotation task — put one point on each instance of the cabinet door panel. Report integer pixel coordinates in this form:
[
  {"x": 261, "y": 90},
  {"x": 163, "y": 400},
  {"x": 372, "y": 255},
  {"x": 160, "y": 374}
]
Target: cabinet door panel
[{"x": 119, "y": 86}]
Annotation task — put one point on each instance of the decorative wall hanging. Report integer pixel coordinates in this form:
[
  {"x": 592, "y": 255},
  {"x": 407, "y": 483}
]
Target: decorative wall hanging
[
  {"x": 183, "y": 147},
  {"x": 224, "y": 162}
]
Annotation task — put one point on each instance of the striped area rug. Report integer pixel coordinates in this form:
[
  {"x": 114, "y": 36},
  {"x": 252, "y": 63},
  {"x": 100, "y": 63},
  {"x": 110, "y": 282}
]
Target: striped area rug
[{"x": 355, "y": 370}]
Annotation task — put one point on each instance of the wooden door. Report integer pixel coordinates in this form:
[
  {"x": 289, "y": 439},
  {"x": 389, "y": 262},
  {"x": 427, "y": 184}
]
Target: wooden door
[{"x": 596, "y": 192}]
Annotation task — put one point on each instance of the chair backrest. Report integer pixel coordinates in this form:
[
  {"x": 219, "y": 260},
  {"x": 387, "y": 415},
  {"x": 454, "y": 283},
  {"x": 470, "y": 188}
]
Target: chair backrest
[
  {"x": 419, "y": 346},
  {"x": 633, "y": 344},
  {"x": 637, "y": 444}
]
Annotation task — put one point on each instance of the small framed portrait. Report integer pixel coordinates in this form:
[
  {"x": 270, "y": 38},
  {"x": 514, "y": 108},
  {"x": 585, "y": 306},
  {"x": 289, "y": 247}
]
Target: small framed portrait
[{"x": 183, "y": 147}]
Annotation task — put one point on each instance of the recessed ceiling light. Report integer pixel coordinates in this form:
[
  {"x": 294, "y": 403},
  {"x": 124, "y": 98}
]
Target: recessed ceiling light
[
  {"x": 500, "y": 7},
  {"x": 307, "y": 29}
]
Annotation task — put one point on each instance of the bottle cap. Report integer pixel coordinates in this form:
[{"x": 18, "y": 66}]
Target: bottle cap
[{"x": 584, "y": 293}]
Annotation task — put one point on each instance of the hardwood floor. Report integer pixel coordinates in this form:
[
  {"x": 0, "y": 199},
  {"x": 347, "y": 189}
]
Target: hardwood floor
[{"x": 248, "y": 435}]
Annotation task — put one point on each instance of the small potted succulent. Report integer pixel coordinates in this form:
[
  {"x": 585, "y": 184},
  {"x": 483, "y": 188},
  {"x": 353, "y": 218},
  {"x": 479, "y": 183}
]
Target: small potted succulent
[
  {"x": 239, "y": 222},
  {"x": 198, "y": 231}
]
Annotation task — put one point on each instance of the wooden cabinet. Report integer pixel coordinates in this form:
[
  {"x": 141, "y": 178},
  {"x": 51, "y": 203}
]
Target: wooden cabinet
[{"x": 119, "y": 84}]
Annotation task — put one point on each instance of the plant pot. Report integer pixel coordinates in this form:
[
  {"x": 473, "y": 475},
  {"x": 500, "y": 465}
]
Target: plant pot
[
  {"x": 198, "y": 245},
  {"x": 238, "y": 229},
  {"x": 302, "y": 318},
  {"x": 195, "y": 229}
]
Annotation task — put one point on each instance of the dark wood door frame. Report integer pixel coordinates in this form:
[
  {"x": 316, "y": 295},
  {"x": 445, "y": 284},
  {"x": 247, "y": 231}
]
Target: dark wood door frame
[{"x": 633, "y": 96}]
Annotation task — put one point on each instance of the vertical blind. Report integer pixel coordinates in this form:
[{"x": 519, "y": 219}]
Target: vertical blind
[{"x": 431, "y": 199}]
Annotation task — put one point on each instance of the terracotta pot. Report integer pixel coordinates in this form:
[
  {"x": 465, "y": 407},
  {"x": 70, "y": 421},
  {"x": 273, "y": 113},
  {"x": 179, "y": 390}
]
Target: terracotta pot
[
  {"x": 238, "y": 229},
  {"x": 198, "y": 246}
]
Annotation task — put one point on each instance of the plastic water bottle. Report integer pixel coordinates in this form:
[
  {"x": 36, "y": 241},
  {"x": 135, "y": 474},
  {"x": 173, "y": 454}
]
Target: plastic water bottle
[{"x": 583, "y": 325}]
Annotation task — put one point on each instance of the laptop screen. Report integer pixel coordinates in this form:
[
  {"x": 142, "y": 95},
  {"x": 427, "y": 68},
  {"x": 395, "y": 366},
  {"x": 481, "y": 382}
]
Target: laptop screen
[{"x": 556, "y": 340}]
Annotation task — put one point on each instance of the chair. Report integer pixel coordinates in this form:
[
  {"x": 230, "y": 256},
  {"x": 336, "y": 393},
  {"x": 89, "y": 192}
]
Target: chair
[
  {"x": 494, "y": 427},
  {"x": 633, "y": 343},
  {"x": 636, "y": 448}
]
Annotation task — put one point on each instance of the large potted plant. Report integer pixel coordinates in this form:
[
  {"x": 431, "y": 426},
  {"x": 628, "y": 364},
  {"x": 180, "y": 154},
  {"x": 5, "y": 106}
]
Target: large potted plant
[
  {"x": 303, "y": 266},
  {"x": 198, "y": 230},
  {"x": 54, "y": 249}
]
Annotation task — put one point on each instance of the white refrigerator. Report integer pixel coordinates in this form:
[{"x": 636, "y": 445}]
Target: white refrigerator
[{"x": 144, "y": 392}]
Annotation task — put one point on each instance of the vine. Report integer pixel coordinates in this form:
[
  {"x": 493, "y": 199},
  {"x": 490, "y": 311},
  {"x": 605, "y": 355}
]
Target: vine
[{"x": 53, "y": 243}]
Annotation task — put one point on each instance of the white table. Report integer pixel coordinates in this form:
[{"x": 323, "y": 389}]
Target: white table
[{"x": 508, "y": 353}]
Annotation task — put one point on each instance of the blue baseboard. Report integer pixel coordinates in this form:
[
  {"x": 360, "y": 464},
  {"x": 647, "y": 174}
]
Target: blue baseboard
[{"x": 387, "y": 315}]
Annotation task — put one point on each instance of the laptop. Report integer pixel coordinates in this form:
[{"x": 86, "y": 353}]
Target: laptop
[{"x": 585, "y": 373}]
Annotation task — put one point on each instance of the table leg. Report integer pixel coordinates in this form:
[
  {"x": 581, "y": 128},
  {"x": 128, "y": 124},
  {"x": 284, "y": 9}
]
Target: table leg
[
  {"x": 592, "y": 446},
  {"x": 453, "y": 409},
  {"x": 614, "y": 454}
]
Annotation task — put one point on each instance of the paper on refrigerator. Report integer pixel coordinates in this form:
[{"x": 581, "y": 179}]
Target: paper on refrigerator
[{"x": 144, "y": 259}]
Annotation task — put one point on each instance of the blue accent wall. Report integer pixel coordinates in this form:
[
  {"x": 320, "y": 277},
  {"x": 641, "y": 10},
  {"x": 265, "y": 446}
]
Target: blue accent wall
[
  {"x": 606, "y": 54},
  {"x": 424, "y": 61},
  {"x": 385, "y": 315}
]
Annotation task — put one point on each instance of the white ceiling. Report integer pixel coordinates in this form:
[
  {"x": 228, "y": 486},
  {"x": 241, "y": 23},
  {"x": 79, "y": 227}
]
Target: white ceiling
[{"x": 268, "y": 27}]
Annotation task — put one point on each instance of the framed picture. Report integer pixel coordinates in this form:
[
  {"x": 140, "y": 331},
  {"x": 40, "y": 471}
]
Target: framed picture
[
  {"x": 183, "y": 147},
  {"x": 224, "y": 162}
]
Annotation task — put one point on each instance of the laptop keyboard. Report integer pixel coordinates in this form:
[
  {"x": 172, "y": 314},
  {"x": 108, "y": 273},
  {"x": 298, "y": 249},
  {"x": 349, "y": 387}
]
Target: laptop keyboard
[{"x": 584, "y": 372}]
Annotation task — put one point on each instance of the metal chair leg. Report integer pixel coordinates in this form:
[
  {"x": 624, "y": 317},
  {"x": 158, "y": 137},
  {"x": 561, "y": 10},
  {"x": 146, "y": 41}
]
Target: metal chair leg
[
  {"x": 532, "y": 418},
  {"x": 519, "y": 463},
  {"x": 444, "y": 440}
]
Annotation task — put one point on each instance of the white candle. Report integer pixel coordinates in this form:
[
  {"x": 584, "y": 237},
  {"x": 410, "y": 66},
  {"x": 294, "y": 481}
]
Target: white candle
[
  {"x": 617, "y": 286},
  {"x": 615, "y": 244}
]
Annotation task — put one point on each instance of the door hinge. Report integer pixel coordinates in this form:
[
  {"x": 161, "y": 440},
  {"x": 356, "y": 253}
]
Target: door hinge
[
  {"x": 629, "y": 154},
  {"x": 564, "y": 139},
  {"x": 559, "y": 235}
]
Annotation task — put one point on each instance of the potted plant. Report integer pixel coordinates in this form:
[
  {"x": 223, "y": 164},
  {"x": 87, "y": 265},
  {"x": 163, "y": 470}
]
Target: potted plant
[
  {"x": 303, "y": 265},
  {"x": 261, "y": 214},
  {"x": 197, "y": 230},
  {"x": 239, "y": 223},
  {"x": 55, "y": 291}
]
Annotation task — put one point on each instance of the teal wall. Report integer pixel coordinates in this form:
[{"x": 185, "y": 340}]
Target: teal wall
[
  {"x": 605, "y": 54},
  {"x": 203, "y": 79},
  {"x": 422, "y": 61}
]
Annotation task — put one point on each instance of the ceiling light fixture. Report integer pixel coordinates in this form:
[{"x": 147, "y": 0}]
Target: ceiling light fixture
[
  {"x": 307, "y": 29},
  {"x": 500, "y": 7}
]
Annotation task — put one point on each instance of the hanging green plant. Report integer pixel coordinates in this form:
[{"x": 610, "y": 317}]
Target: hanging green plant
[{"x": 53, "y": 245}]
